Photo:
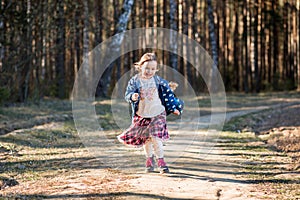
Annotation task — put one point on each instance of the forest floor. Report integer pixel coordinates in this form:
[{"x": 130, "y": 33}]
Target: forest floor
[{"x": 256, "y": 156}]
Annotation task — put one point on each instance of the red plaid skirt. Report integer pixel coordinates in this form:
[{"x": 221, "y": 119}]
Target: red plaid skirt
[{"x": 143, "y": 128}]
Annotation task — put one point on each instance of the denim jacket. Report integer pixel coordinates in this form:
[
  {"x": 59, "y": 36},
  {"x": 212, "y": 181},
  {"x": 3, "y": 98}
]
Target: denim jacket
[{"x": 166, "y": 95}]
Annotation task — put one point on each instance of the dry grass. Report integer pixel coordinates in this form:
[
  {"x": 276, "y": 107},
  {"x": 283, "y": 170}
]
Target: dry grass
[
  {"x": 50, "y": 161},
  {"x": 277, "y": 174}
]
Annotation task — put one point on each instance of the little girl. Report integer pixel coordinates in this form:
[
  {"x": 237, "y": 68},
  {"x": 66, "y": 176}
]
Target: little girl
[{"x": 151, "y": 99}]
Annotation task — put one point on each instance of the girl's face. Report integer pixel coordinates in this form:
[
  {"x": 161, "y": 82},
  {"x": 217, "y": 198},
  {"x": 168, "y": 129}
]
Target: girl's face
[{"x": 149, "y": 69}]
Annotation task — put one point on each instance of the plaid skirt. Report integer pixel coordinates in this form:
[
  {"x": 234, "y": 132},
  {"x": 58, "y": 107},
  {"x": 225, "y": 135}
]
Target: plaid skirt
[{"x": 142, "y": 129}]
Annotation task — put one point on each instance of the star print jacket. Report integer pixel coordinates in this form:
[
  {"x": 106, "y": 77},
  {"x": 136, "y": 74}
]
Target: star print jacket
[{"x": 166, "y": 95}]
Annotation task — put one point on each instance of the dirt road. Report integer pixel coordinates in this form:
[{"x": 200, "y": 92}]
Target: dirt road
[
  {"x": 49, "y": 162},
  {"x": 205, "y": 170}
]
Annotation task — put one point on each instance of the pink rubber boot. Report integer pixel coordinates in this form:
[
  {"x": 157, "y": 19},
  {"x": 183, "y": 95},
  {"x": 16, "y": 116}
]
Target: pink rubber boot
[
  {"x": 163, "y": 168},
  {"x": 150, "y": 164}
]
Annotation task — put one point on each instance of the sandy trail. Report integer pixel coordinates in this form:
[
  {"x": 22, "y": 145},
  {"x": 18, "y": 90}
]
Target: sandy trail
[{"x": 199, "y": 169}]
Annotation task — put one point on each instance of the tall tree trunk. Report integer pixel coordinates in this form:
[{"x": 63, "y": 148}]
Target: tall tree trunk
[
  {"x": 181, "y": 26},
  {"x": 236, "y": 52},
  {"x": 99, "y": 21},
  {"x": 191, "y": 75},
  {"x": 298, "y": 65},
  {"x": 49, "y": 43},
  {"x": 275, "y": 45},
  {"x": 173, "y": 42},
  {"x": 44, "y": 35},
  {"x": 213, "y": 41},
  {"x": 117, "y": 75},
  {"x": 77, "y": 40},
  {"x": 185, "y": 42},
  {"x": 212, "y": 35},
  {"x": 225, "y": 51},
  {"x": 134, "y": 54},
  {"x": 296, "y": 43},
  {"x": 269, "y": 64},
  {"x": 38, "y": 54},
  {"x": 2, "y": 37},
  {"x": 60, "y": 54},
  {"x": 118, "y": 60},
  {"x": 87, "y": 68},
  {"x": 115, "y": 45},
  {"x": 245, "y": 38},
  {"x": 29, "y": 51},
  {"x": 256, "y": 69},
  {"x": 263, "y": 42},
  {"x": 86, "y": 38},
  {"x": 165, "y": 23},
  {"x": 151, "y": 13},
  {"x": 159, "y": 8},
  {"x": 251, "y": 44}
]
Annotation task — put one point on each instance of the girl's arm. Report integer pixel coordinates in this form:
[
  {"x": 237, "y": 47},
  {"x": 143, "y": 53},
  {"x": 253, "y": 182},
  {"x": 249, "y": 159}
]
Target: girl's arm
[
  {"x": 130, "y": 90},
  {"x": 170, "y": 101}
]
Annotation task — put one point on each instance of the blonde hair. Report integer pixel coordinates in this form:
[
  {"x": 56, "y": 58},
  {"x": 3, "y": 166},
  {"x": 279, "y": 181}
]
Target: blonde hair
[{"x": 145, "y": 58}]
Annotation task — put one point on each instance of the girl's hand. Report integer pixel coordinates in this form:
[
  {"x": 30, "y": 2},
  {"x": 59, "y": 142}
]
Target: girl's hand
[
  {"x": 135, "y": 96},
  {"x": 173, "y": 85},
  {"x": 176, "y": 112}
]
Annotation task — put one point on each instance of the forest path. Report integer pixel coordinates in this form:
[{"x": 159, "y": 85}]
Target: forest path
[
  {"x": 50, "y": 162},
  {"x": 199, "y": 173},
  {"x": 216, "y": 167},
  {"x": 208, "y": 168}
]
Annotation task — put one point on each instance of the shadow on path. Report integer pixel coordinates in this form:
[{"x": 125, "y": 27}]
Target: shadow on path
[{"x": 116, "y": 195}]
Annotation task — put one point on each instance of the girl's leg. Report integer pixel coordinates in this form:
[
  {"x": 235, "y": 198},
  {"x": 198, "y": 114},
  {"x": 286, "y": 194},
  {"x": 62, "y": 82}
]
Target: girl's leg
[
  {"x": 159, "y": 153},
  {"x": 148, "y": 149},
  {"x": 158, "y": 147}
]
